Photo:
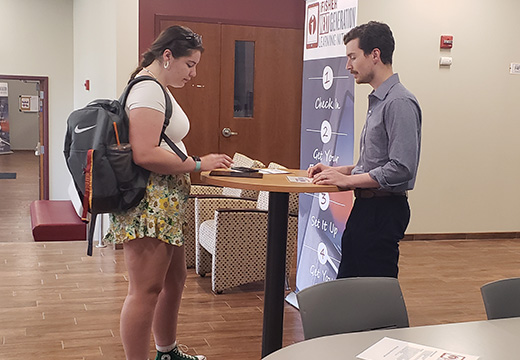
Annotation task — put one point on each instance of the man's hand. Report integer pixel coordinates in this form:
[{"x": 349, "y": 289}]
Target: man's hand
[
  {"x": 331, "y": 176},
  {"x": 313, "y": 170},
  {"x": 337, "y": 176}
]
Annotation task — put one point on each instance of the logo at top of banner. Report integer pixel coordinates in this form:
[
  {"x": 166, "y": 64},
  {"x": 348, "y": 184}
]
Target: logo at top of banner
[
  {"x": 312, "y": 25},
  {"x": 327, "y": 21}
]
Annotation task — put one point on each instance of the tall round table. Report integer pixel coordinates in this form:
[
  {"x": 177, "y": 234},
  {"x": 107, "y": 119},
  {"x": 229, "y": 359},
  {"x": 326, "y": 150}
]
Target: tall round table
[{"x": 279, "y": 188}]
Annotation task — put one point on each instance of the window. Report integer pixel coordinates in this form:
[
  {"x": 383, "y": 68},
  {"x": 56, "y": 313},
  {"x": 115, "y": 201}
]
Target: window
[{"x": 244, "y": 78}]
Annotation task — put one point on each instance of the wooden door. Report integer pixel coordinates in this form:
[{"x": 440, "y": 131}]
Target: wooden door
[{"x": 273, "y": 132}]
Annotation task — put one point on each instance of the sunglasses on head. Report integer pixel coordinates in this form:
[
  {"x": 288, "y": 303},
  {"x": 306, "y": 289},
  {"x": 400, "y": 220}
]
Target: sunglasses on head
[{"x": 194, "y": 38}]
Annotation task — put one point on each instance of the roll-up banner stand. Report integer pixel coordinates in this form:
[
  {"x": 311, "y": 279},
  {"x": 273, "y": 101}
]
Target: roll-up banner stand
[{"x": 326, "y": 137}]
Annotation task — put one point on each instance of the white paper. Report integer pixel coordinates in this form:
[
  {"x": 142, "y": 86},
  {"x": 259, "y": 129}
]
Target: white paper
[
  {"x": 28, "y": 103},
  {"x": 273, "y": 171},
  {"x": 391, "y": 349},
  {"x": 299, "y": 179},
  {"x": 4, "y": 89}
]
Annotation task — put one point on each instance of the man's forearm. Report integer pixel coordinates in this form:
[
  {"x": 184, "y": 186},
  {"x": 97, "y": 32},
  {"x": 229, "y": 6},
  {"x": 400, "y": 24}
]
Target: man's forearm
[
  {"x": 346, "y": 169},
  {"x": 363, "y": 181}
]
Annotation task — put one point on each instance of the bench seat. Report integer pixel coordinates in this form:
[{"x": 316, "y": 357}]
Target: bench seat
[{"x": 56, "y": 220}]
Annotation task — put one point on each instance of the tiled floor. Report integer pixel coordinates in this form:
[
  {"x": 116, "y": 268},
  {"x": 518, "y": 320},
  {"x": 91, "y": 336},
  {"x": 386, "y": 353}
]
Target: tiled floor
[
  {"x": 17, "y": 194},
  {"x": 58, "y": 303}
]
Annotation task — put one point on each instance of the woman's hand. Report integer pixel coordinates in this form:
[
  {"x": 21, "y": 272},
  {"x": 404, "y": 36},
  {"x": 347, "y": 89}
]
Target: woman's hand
[{"x": 215, "y": 161}]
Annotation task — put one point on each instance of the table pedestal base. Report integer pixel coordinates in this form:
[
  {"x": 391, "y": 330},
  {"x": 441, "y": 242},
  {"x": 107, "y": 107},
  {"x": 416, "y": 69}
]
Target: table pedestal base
[{"x": 275, "y": 272}]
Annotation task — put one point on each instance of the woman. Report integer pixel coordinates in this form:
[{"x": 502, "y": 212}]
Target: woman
[{"x": 152, "y": 232}]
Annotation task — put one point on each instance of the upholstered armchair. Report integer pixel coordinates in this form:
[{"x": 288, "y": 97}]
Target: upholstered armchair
[
  {"x": 213, "y": 191},
  {"x": 231, "y": 239},
  {"x": 189, "y": 229}
]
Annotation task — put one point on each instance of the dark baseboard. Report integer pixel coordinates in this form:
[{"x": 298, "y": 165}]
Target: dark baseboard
[{"x": 464, "y": 236}]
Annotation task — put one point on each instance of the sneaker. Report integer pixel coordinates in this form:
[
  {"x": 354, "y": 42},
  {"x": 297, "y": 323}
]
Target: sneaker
[{"x": 178, "y": 354}]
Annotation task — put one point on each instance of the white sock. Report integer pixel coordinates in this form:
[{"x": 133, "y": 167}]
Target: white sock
[{"x": 166, "y": 349}]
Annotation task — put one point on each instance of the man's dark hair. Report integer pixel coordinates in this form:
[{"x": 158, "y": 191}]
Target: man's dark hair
[{"x": 373, "y": 35}]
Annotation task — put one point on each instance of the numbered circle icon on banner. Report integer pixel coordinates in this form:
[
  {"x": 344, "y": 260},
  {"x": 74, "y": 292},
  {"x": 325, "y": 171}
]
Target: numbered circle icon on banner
[
  {"x": 328, "y": 77},
  {"x": 326, "y": 131},
  {"x": 323, "y": 253},
  {"x": 324, "y": 201}
]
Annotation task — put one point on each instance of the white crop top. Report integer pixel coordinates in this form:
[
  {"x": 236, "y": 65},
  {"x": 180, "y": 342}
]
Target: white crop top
[{"x": 149, "y": 94}]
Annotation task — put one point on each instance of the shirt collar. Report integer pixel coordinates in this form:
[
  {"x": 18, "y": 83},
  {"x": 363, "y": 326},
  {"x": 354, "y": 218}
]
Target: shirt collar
[{"x": 385, "y": 87}]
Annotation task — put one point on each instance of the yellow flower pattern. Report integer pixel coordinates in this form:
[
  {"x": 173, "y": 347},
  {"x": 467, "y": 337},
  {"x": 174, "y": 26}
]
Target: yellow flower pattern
[{"x": 160, "y": 214}]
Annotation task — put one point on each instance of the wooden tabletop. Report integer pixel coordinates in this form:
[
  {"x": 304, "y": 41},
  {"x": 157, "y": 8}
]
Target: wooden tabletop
[{"x": 269, "y": 182}]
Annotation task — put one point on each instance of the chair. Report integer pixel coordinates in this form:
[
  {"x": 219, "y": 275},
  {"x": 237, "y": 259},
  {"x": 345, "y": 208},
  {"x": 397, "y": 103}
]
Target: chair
[
  {"x": 231, "y": 238},
  {"x": 189, "y": 230},
  {"x": 351, "y": 305},
  {"x": 502, "y": 298},
  {"x": 201, "y": 190}
]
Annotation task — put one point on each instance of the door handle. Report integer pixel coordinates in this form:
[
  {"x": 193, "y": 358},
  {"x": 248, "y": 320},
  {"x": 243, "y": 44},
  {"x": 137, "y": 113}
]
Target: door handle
[
  {"x": 38, "y": 149},
  {"x": 227, "y": 132}
]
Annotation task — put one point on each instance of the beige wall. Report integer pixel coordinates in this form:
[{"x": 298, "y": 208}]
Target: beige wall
[
  {"x": 127, "y": 37},
  {"x": 105, "y": 47},
  {"x": 468, "y": 176}
]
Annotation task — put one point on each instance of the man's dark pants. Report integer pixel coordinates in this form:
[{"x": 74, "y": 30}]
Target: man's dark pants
[{"x": 370, "y": 242}]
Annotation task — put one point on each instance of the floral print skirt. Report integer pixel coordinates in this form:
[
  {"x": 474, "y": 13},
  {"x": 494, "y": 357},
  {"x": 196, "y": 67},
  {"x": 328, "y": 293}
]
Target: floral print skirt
[{"x": 160, "y": 214}]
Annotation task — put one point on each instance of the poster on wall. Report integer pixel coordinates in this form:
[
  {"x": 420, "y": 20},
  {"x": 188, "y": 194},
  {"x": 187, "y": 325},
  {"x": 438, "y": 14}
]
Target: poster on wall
[
  {"x": 5, "y": 145},
  {"x": 28, "y": 103},
  {"x": 326, "y": 136}
]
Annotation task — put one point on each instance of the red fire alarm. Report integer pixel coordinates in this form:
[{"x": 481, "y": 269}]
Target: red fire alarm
[
  {"x": 87, "y": 85},
  {"x": 446, "y": 41}
]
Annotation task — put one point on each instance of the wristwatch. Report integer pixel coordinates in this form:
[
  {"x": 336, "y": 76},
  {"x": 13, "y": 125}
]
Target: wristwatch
[{"x": 197, "y": 162}]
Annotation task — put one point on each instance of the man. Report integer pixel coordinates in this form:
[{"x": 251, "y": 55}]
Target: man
[{"x": 389, "y": 157}]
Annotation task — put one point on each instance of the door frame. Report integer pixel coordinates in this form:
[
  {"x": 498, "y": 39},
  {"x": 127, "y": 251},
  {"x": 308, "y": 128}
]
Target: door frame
[
  {"x": 44, "y": 128},
  {"x": 159, "y": 17}
]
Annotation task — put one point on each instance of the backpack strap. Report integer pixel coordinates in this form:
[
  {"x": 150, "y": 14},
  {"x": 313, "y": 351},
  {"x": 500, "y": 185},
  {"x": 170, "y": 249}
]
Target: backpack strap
[
  {"x": 167, "y": 113},
  {"x": 87, "y": 197},
  {"x": 174, "y": 147}
]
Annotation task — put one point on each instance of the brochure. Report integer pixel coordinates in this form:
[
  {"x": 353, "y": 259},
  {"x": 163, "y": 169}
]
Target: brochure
[{"x": 391, "y": 349}]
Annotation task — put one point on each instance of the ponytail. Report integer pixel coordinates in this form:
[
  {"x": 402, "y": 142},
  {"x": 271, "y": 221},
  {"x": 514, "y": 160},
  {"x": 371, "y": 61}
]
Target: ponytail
[{"x": 148, "y": 58}]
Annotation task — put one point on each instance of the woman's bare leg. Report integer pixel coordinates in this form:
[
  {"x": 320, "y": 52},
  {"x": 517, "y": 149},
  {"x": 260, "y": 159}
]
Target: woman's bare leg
[
  {"x": 167, "y": 309},
  {"x": 147, "y": 261}
]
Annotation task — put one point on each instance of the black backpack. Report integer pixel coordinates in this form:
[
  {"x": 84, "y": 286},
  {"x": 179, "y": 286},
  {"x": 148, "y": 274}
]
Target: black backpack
[{"x": 99, "y": 158}]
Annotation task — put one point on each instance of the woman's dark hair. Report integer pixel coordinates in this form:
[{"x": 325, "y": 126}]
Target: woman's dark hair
[
  {"x": 180, "y": 40},
  {"x": 373, "y": 35}
]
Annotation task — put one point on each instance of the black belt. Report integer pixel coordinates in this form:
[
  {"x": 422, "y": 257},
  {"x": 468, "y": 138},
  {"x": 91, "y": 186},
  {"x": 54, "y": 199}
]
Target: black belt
[{"x": 369, "y": 193}]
